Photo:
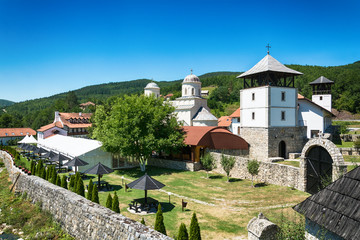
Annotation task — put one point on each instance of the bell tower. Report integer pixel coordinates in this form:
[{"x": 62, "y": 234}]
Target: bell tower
[{"x": 322, "y": 92}]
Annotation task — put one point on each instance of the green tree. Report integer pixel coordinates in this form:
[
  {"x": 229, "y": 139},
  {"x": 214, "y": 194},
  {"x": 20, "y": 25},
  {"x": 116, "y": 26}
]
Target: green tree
[
  {"x": 80, "y": 188},
  {"x": 43, "y": 173},
  {"x": 253, "y": 168},
  {"x": 227, "y": 164},
  {"x": 109, "y": 201},
  {"x": 90, "y": 190},
  {"x": 77, "y": 178},
  {"x": 194, "y": 228},
  {"x": 208, "y": 163},
  {"x": 115, "y": 204},
  {"x": 72, "y": 182},
  {"x": 58, "y": 180},
  {"x": 54, "y": 177},
  {"x": 136, "y": 126},
  {"x": 95, "y": 194},
  {"x": 64, "y": 182},
  {"x": 159, "y": 221},
  {"x": 32, "y": 167},
  {"x": 182, "y": 234},
  {"x": 142, "y": 221}
]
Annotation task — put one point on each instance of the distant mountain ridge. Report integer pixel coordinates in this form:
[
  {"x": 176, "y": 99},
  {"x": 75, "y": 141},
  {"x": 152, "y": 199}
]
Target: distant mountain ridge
[{"x": 5, "y": 103}]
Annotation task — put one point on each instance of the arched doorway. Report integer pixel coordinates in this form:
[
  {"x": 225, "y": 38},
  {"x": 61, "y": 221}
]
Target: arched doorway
[
  {"x": 319, "y": 169},
  {"x": 282, "y": 149}
]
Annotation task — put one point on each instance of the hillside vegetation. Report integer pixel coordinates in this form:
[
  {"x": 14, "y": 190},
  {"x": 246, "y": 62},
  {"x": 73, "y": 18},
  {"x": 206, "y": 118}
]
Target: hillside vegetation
[
  {"x": 5, "y": 103},
  {"x": 224, "y": 97}
]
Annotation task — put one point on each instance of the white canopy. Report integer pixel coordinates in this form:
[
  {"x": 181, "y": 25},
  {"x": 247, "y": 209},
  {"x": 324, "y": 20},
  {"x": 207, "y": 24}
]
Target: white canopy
[{"x": 28, "y": 139}]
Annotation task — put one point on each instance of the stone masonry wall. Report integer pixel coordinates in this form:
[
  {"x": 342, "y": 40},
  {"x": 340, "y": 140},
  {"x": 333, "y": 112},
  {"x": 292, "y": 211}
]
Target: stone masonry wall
[
  {"x": 78, "y": 216},
  {"x": 272, "y": 173},
  {"x": 173, "y": 164}
]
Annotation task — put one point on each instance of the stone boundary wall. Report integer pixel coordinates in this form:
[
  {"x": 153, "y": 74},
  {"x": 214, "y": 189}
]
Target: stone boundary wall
[
  {"x": 174, "y": 164},
  {"x": 350, "y": 151},
  {"x": 273, "y": 173},
  {"x": 349, "y": 137},
  {"x": 78, "y": 216}
]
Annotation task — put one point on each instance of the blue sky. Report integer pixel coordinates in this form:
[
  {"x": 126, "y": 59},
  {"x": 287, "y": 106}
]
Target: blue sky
[{"x": 49, "y": 47}]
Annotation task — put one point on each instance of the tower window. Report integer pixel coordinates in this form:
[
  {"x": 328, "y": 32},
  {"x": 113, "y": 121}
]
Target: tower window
[
  {"x": 253, "y": 115},
  {"x": 282, "y": 96},
  {"x": 282, "y": 115},
  {"x": 253, "y": 96},
  {"x": 320, "y": 98},
  {"x": 193, "y": 91},
  {"x": 185, "y": 91}
]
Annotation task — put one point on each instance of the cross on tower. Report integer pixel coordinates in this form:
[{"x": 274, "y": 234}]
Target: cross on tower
[
  {"x": 268, "y": 47},
  {"x": 191, "y": 71}
]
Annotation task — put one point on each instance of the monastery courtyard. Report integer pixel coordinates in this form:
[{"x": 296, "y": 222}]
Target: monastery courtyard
[{"x": 223, "y": 209}]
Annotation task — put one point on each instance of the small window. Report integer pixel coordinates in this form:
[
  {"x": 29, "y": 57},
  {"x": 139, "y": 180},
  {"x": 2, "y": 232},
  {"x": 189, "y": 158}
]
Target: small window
[
  {"x": 21, "y": 133},
  {"x": 238, "y": 119},
  {"x": 282, "y": 115},
  {"x": 185, "y": 91},
  {"x": 6, "y": 134},
  {"x": 253, "y": 96},
  {"x": 253, "y": 115},
  {"x": 193, "y": 91},
  {"x": 320, "y": 98},
  {"x": 238, "y": 130},
  {"x": 282, "y": 96}
]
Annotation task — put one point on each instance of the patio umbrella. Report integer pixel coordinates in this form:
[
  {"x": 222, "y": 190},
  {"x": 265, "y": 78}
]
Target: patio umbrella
[
  {"x": 76, "y": 162},
  {"x": 58, "y": 158},
  {"x": 146, "y": 183},
  {"x": 99, "y": 169},
  {"x": 49, "y": 154},
  {"x": 40, "y": 151}
]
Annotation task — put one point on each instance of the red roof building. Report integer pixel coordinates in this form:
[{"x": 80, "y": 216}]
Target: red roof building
[{"x": 7, "y": 134}]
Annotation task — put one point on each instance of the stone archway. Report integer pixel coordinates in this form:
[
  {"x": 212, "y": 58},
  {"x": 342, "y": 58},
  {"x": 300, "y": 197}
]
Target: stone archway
[{"x": 320, "y": 158}]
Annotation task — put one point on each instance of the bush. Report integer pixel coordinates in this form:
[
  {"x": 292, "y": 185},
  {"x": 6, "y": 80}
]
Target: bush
[
  {"x": 58, "y": 180},
  {"x": 159, "y": 221},
  {"x": 109, "y": 201},
  {"x": 227, "y": 164},
  {"x": 194, "y": 228},
  {"x": 72, "y": 182},
  {"x": 94, "y": 194},
  {"x": 294, "y": 229},
  {"x": 63, "y": 182},
  {"x": 253, "y": 168},
  {"x": 183, "y": 234},
  {"x": 208, "y": 163},
  {"x": 143, "y": 221},
  {"x": 90, "y": 190},
  {"x": 115, "y": 204},
  {"x": 357, "y": 143},
  {"x": 53, "y": 176},
  {"x": 80, "y": 188}
]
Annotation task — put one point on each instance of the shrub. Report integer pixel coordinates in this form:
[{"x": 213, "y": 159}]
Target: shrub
[
  {"x": 194, "y": 228},
  {"x": 159, "y": 221},
  {"x": 227, "y": 164},
  {"x": 80, "y": 188},
  {"x": 357, "y": 143},
  {"x": 291, "y": 229},
  {"x": 54, "y": 176},
  {"x": 208, "y": 163},
  {"x": 64, "y": 182},
  {"x": 58, "y": 180},
  {"x": 94, "y": 194},
  {"x": 183, "y": 234},
  {"x": 72, "y": 182},
  {"x": 115, "y": 204},
  {"x": 143, "y": 221},
  {"x": 109, "y": 201},
  {"x": 253, "y": 168},
  {"x": 43, "y": 173},
  {"x": 32, "y": 166},
  {"x": 90, "y": 190},
  {"x": 77, "y": 178}
]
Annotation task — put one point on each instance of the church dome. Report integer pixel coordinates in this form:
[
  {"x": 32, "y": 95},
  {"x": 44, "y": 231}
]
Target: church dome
[
  {"x": 151, "y": 85},
  {"x": 191, "y": 78}
]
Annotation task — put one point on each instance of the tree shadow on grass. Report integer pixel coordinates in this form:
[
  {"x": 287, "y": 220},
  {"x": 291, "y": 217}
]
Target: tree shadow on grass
[
  {"x": 216, "y": 177},
  {"x": 167, "y": 207},
  {"x": 235, "y": 180},
  {"x": 150, "y": 170},
  {"x": 260, "y": 185}
]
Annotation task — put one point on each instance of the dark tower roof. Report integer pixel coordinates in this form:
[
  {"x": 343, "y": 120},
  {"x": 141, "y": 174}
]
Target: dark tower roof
[{"x": 322, "y": 80}]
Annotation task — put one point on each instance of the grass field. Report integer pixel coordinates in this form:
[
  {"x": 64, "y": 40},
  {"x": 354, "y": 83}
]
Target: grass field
[
  {"x": 225, "y": 210},
  {"x": 345, "y": 144},
  {"x": 290, "y": 163}
]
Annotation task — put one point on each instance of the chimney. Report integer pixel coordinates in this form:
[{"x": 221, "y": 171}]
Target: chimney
[
  {"x": 79, "y": 114},
  {"x": 57, "y": 116}
]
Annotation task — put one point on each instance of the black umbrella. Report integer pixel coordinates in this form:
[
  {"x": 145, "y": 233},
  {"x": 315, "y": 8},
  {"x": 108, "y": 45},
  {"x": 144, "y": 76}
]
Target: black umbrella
[
  {"x": 58, "y": 158},
  {"x": 21, "y": 145},
  {"x": 146, "y": 183},
  {"x": 99, "y": 169},
  {"x": 76, "y": 162},
  {"x": 49, "y": 154},
  {"x": 40, "y": 151}
]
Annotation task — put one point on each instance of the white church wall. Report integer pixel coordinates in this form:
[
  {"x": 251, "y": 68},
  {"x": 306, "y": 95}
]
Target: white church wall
[
  {"x": 253, "y": 102},
  {"x": 149, "y": 92},
  {"x": 257, "y": 117},
  {"x": 235, "y": 125},
  {"x": 290, "y": 96},
  {"x": 323, "y": 100},
  {"x": 191, "y": 89},
  {"x": 276, "y": 117},
  {"x": 310, "y": 116}
]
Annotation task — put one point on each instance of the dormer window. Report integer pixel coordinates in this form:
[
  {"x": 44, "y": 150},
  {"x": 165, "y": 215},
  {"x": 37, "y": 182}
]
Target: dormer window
[
  {"x": 13, "y": 134},
  {"x": 21, "y": 133},
  {"x": 6, "y": 134}
]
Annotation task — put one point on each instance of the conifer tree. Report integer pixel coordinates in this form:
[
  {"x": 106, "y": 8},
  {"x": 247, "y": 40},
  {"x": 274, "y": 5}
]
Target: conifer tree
[
  {"x": 95, "y": 195},
  {"x": 39, "y": 166},
  {"x": 43, "y": 173},
  {"x": 115, "y": 204},
  {"x": 77, "y": 177},
  {"x": 194, "y": 228},
  {"x": 109, "y": 201},
  {"x": 80, "y": 187},
  {"x": 32, "y": 167},
  {"x": 72, "y": 183},
  {"x": 143, "y": 221},
  {"x": 159, "y": 221},
  {"x": 64, "y": 182},
  {"x": 47, "y": 170},
  {"x": 58, "y": 180},
  {"x": 54, "y": 177},
  {"x": 90, "y": 190},
  {"x": 183, "y": 234}
]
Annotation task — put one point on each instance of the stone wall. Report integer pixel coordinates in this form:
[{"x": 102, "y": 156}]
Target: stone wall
[
  {"x": 273, "y": 173},
  {"x": 349, "y": 137},
  {"x": 350, "y": 151},
  {"x": 78, "y": 216},
  {"x": 174, "y": 164},
  {"x": 261, "y": 228},
  {"x": 264, "y": 142}
]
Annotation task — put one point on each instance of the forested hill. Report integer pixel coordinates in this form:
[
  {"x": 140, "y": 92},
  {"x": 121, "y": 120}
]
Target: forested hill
[
  {"x": 5, "y": 103},
  {"x": 223, "y": 99}
]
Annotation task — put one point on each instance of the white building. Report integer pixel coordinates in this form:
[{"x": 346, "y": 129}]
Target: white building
[
  {"x": 235, "y": 122},
  {"x": 152, "y": 89},
  {"x": 191, "y": 108}
]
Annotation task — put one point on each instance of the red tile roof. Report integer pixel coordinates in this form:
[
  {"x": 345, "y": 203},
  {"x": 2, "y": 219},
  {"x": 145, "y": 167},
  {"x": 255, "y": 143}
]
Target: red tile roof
[
  {"x": 213, "y": 138},
  {"x": 51, "y": 125},
  {"x": 87, "y": 104},
  {"x": 224, "y": 121},
  {"x": 16, "y": 132},
  {"x": 66, "y": 118},
  {"x": 235, "y": 114}
]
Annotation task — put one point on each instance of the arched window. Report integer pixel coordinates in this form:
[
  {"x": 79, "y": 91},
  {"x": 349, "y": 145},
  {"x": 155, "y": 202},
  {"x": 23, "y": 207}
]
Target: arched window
[
  {"x": 193, "y": 91},
  {"x": 185, "y": 91}
]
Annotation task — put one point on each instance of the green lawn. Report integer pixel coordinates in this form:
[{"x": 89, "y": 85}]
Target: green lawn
[
  {"x": 351, "y": 158},
  {"x": 345, "y": 144},
  {"x": 290, "y": 163},
  {"x": 231, "y": 207}
]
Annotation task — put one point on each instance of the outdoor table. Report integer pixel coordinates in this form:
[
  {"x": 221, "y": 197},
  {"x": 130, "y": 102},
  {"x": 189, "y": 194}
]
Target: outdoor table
[
  {"x": 102, "y": 184},
  {"x": 61, "y": 169}
]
